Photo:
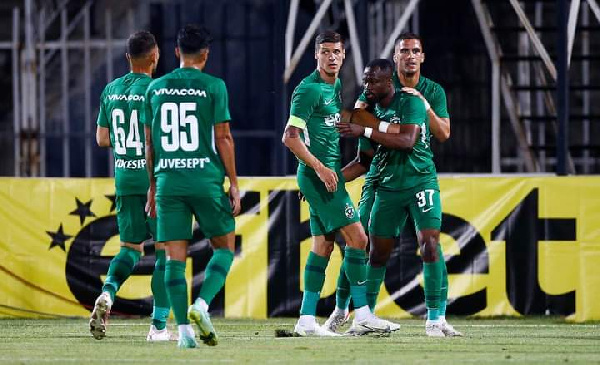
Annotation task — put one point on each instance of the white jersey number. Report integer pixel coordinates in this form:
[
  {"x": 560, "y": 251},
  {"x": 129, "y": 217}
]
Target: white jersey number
[
  {"x": 133, "y": 138},
  {"x": 174, "y": 120}
]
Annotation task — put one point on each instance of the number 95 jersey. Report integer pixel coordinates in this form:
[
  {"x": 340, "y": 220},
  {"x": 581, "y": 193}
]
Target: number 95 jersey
[
  {"x": 121, "y": 105},
  {"x": 182, "y": 109}
]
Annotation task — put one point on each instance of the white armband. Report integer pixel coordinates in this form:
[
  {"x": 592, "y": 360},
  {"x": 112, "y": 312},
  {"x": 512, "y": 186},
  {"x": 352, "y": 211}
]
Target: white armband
[
  {"x": 368, "y": 131},
  {"x": 427, "y": 106},
  {"x": 383, "y": 127}
]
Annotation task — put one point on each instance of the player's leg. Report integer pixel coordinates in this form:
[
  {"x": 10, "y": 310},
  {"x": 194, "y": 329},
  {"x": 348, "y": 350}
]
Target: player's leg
[
  {"x": 340, "y": 314},
  {"x": 174, "y": 228},
  {"x": 161, "y": 306},
  {"x": 447, "y": 328},
  {"x": 132, "y": 231},
  {"x": 426, "y": 212},
  {"x": 314, "y": 278},
  {"x": 216, "y": 220}
]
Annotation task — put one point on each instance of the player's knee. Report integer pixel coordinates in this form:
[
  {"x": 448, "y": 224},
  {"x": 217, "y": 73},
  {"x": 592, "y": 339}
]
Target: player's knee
[
  {"x": 378, "y": 256},
  {"x": 429, "y": 250}
]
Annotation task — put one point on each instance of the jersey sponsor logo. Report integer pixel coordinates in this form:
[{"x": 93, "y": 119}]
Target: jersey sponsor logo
[
  {"x": 349, "y": 211},
  {"x": 179, "y": 92},
  {"x": 130, "y": 164},
  {"x": 183, "y": 163},
  {"x": 124, "y": 97},
  {"x": 424, "y": 136},
  {"x": 332, "y": 119}
]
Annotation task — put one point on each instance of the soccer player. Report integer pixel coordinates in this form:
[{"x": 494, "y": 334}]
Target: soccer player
[
  {"x": 189, "y": 150},
  {"x": 407, "y": 182},
  {"x": 121, "y": 105},
  {"x": 408, "y": 57},
  {"x": 313, "y": 138}
]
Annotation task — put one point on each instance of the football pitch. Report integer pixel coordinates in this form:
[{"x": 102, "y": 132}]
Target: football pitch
[{"x": 528, "y": 340}]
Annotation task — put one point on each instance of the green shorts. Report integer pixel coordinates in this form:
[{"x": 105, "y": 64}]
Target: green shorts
[
  {"x": 328, "y": 211},
  {"x": 134, "y": 224},
  {"x": 392, "y": 208},
  {"x": 365, "y": 204},
  {"x": 175, "y": 213}
]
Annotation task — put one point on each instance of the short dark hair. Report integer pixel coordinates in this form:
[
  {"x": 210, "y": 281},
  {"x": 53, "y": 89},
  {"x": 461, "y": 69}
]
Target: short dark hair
[
  {"x": 139, "y": 44},
  {"x": 193, "y": 38},
  {"x": 328, "y": 36},
  {"x": 408, "y": 35},
  {"x": 382, "y": 64}
]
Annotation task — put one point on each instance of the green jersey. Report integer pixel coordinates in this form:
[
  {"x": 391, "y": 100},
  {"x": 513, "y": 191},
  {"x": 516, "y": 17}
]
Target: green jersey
[
  {"x": 182, "y": 108},
  {"x": 399, "y": 170},
  {"x": 432, "y": 92},
  {"x": 121, "y": 106},
  {"x": 315, "y": 108},
  {"x": 366, "y": 144}
]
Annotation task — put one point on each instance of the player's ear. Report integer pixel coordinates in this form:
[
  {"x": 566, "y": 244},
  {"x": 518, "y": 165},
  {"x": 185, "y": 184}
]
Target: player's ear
[
  {"x": 395, "y": 57},
  {"x": 177, "y": 54},
  {"x": 128, "y": 57},
  {"x": 422, "y": 57}
]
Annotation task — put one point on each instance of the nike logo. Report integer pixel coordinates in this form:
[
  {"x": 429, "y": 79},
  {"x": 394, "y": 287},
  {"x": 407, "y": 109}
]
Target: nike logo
[
  {"x": 426, "y": 210},
  {"x": 361, "y": 282},
  {"x": 327, "y": 102}
]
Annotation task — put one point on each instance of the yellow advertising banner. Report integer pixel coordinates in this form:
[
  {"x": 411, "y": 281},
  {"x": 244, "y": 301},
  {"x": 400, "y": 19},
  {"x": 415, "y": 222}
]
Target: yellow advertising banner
[{"x": 513, "y": 246}]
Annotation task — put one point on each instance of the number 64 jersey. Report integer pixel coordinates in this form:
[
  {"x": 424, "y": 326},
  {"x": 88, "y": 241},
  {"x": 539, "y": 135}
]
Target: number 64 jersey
[
  {"x": 182, "y": 108},
  {"x": 121, "y": 106}
]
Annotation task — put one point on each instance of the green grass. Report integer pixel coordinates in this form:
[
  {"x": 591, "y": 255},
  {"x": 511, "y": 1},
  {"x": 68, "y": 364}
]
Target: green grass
[{"x": 529, "y": 340}]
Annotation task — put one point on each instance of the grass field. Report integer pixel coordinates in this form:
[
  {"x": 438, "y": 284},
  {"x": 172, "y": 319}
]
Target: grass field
[{"x": 532, "y": 340}]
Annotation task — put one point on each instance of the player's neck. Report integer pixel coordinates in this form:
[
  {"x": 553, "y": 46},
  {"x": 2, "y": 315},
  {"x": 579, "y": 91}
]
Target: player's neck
[
  {"x": 328, "y": 78},
  {"x": 141, "y": 69},
  {"x": 385, "y": 102},
  {"x": 192, "y": 64},
  {"x": 409, "y": 80}
]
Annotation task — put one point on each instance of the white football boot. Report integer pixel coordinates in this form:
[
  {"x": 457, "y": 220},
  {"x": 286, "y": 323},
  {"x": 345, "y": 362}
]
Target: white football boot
[
  {"x": 336, "y": 319},
  {"x": 434, "y": 329},
  {"x": 99, "y": 318},
  {"x": 156, "y": 335},
  {"x": 448, "y": 330}
]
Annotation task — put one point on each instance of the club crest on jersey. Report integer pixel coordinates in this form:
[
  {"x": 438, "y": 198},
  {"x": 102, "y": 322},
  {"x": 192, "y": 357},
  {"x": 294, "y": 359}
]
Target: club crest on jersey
[
  {"x": 396, "y": 120},
  {"x": 332, "y": 119},
  {"x": 349, "y": 211}
]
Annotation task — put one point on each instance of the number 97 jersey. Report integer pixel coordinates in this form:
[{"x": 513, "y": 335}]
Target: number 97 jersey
[
  {"x": 182, "y": 109},
  {"x": 121, "y": 105}
]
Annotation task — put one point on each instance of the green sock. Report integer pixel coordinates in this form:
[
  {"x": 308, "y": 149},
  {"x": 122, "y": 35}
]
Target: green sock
[
  {"x": 375, "y": 276},
  {"x": 354, "y": 264},
  {"x": 444, "y": 288},
  {"x": 121, "y": 267},
  {"x": 215, "y": 274},
  {"x": 314, "y": 277},
  {"x": 342, "y": 292},
  {"x": 161, "y": 301},
  {"x": 177, "y": 289},
  {"x": 433, "y": 280}
]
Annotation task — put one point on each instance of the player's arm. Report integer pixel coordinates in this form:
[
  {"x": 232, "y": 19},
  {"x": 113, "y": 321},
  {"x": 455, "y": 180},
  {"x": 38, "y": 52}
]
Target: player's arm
[
  {"x": 359, "y": 165},
  {"x": 226, "y": 148},
  {"x": 102, "y": 136},
  {"x": 405, "y": 139},
  {"x": 149, "y": 150},
  {"x": 102, "y": 131},
  {"x": 291, "y": 139},
  {"x": 440, "y": 127}
]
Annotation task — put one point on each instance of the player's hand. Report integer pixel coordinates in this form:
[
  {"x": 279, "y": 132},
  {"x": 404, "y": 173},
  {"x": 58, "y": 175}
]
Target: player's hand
[
  {"x": 328, "y": 177},
  {"x": 234, "y": 200},
  {"x": 350, "y": 129},
  {"x": 413, "y": 91},
  {"x": 151, "y": 202}
]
